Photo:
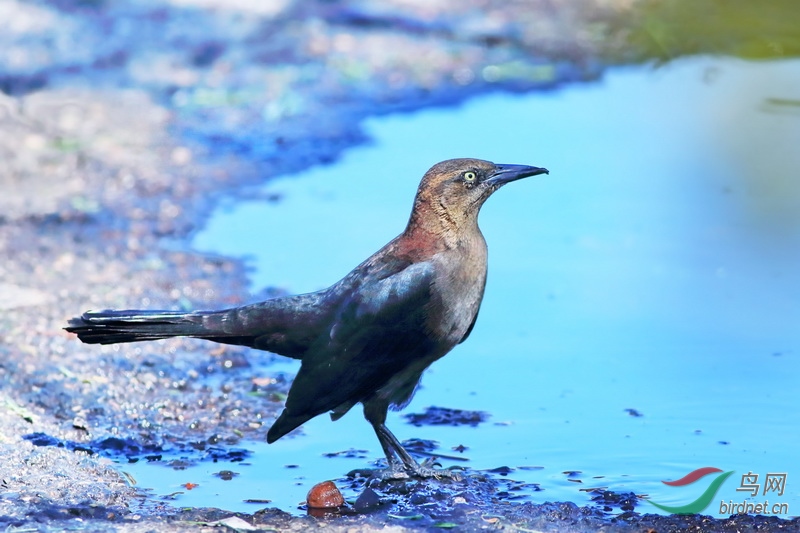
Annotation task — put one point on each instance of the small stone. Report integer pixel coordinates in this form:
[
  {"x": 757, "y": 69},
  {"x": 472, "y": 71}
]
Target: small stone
[
  {"x": 325, "y": 495},
  {"x": 368, "y": 499}
]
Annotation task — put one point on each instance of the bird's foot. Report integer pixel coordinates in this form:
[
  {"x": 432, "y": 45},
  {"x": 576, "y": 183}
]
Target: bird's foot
[
  {"x": 426, "y": 470},
  {"x": 401, "y": 464}
]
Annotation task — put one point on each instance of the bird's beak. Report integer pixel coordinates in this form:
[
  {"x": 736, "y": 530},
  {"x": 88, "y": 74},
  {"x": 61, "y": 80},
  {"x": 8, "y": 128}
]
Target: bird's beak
[{"x": 507, "y": 173}]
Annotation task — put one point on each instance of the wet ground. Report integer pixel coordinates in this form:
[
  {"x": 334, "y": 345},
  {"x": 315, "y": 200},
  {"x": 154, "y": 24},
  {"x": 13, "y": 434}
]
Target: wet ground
[{"x": 122, "y": 125}]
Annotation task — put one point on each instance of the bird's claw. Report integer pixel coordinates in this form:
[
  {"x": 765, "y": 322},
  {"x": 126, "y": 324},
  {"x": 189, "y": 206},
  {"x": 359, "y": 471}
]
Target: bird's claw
[{"x": 424, "y": 471}]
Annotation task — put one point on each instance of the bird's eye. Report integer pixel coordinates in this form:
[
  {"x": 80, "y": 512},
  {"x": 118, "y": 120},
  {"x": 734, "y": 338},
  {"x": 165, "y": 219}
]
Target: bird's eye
[{"x": 470, "y": 176}]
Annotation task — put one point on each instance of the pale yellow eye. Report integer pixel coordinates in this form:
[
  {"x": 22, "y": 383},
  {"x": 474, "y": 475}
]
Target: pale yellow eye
[{"x": 470, "y": 176}]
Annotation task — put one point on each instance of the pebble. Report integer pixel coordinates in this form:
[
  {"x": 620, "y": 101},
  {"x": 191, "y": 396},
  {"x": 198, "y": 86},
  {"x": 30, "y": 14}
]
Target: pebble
[{"x": 325, "y": 495}]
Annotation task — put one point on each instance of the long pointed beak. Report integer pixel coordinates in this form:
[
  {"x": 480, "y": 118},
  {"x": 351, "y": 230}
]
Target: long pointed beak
[{"x": 507, "y": 173}]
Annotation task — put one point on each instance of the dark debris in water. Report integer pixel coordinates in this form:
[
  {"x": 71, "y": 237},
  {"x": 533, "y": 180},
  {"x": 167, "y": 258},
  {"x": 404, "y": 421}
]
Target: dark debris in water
[
  {"x": 511, "y": 490},
  {"x": 233, "y": 455},
  {"x": 444, "y": 416},
  {"x": 109, "y": 447},
  {"x": 226, "y": 475},
  {"x": 609, "y": 500},
  {"x": 352, "y": 453},
  {"x": 425, "y": 446},
  {"x": 258, "y": 501},
  {"x": 177, "y": 456},
  {"x": 501, "y": 470}
]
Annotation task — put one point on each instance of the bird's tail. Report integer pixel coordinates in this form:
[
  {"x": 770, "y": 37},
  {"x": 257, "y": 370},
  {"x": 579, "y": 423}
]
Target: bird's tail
[{"x": 110, "y": 327}]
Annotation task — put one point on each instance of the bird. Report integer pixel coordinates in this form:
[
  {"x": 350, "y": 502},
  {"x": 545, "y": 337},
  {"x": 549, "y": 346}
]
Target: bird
[{"x": 368, "y": 337}]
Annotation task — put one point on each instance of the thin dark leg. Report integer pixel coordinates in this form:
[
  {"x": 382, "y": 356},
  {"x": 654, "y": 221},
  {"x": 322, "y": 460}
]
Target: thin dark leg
[
  {"x": 401, "y": 464},
  {"x": 392, "y": 447}
]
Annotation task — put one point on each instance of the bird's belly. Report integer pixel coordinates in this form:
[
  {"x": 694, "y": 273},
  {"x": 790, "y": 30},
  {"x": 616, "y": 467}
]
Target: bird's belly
[
  {"x": 458, "y": 304},
  {"x": 462, "y": 313}
]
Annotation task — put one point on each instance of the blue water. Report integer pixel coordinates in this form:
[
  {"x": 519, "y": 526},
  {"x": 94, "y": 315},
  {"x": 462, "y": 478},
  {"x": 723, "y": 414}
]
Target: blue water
[{"x": 655, "y": 269}]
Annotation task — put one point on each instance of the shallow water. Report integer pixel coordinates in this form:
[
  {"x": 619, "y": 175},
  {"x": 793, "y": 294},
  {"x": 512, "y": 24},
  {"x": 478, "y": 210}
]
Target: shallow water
[{"x": 654, "y": 269}]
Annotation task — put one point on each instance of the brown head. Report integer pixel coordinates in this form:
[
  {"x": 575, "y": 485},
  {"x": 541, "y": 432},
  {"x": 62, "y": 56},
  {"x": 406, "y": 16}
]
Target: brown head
[{"x": 452, "y": 192}]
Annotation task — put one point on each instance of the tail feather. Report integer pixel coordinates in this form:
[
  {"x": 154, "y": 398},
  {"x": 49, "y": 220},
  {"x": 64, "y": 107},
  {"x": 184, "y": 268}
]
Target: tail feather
[
  {"x": 287, "y": 326},
  {"x": 110, "y": 327},
  {"x": 286, "y": 423}
]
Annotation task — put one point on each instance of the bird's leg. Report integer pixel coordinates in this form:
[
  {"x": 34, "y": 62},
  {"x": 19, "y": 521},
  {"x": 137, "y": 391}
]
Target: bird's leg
[
  {"x": 406, "y": 466},
  {"x": 394, "y": 450},
  {"x": 401, "y": 464}
]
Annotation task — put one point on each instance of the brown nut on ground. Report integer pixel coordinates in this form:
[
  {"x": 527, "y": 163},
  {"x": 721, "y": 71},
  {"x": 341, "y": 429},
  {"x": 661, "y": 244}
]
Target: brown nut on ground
[{"x": 325, "y": 495}]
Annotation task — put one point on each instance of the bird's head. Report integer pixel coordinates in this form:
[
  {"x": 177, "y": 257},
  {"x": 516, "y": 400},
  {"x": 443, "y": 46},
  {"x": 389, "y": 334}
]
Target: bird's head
[{"x": 454, "y": 190}]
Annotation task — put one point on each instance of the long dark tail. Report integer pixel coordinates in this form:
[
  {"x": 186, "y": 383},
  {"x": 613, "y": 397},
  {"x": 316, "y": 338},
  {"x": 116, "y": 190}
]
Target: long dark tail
[
  {"x": 286, "y": 326},
  {"x": 110, "y": 327}
]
